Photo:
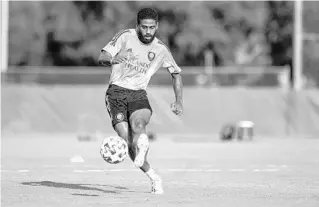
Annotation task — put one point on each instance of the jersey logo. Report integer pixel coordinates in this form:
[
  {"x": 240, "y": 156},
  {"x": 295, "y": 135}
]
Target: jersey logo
[
  {"x": 130, "y": 55},
  {"x": 120, "y": 117},
  {"x": 117, "y": 36},
  {"x": 151, "y": 56},
  {"x": 133, "y": 63}
]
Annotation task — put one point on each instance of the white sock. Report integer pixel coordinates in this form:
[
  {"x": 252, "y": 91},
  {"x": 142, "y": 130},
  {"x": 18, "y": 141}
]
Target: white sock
[
  {"x": 151, "y": 174},
  {"x": 144, "y": 137}
]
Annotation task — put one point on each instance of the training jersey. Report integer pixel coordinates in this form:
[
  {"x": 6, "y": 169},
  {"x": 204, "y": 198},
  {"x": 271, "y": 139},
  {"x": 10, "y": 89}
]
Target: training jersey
[{"x": 143, "y": 60}]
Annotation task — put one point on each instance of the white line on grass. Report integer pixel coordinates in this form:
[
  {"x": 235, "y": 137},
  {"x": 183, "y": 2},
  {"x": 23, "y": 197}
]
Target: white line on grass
[
  {"x": 194, "y": 170},
  {"x": 265, "y": 170},
  {"x": 95, "y": 170},
  {"x": 185, "y": 170},
  {"x": 121, "y": 170}
]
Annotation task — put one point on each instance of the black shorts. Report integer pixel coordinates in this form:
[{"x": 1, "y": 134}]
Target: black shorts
[{"x": 122, "y": 102}]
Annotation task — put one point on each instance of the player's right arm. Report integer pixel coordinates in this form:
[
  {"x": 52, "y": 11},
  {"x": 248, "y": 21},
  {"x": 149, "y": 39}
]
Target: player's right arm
[
  {"x": 113, "y": 52},
  {"x": 105, "y": 58}
]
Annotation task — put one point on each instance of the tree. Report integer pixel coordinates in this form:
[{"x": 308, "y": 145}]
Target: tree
[{"x": 73, "y": 33}]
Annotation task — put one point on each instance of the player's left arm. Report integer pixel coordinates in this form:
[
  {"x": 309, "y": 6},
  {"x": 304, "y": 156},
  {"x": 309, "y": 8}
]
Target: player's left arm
[
  {"x": 177, "y": 107},
  {"x": 170, "y": 64}
]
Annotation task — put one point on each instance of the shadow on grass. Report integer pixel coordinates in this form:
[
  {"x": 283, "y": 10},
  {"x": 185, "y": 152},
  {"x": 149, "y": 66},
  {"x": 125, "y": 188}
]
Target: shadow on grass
[{"x": 74, "y": 187}]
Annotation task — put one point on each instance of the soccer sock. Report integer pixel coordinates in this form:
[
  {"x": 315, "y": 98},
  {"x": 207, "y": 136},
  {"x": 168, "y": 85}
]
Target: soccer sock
[
  {"x": 143, "y": 139},
  {"x": 151, "y": 174},
  {"x": 142, "y": 145}
]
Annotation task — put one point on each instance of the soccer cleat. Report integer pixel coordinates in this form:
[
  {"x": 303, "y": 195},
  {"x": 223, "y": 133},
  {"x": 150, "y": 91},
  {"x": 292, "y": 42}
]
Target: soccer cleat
[
  {"x": 157, "y": 186},
  {"x": 142, "y": 145}
]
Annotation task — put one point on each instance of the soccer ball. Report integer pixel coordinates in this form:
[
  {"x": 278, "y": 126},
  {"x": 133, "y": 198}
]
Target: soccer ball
[{"x": 114, "y": 149}]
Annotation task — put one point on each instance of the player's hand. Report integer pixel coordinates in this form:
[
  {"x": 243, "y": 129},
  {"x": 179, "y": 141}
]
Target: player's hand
[
  {"x": 177, "y": 108},
  {"x": 120, "y": 58}
]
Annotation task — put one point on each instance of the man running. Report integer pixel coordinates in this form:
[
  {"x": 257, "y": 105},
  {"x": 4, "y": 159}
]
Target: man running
[{"x": 135, "y": 55}]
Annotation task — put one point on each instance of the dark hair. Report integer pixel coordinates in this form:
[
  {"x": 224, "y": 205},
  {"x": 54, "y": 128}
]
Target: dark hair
[{"x": 147, "y": 13}]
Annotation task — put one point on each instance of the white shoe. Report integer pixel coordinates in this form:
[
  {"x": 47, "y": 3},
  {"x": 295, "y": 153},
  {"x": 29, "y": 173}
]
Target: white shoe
[
  {"x": 142, "y": 145},
  {"x": 157, "y": 186}
]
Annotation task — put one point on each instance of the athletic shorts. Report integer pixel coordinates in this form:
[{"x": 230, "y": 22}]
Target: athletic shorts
[{"x": 122, "y": 102}]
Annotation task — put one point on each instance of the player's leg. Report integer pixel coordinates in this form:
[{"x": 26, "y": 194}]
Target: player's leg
[
  {"x": 115, "y": 100},
  {"x": 138, "y": 121},
  {"x": 139, "y": 116},
  {"x": 140, "y": 146},
  {"x": 122, "y": 130},
  {"x": 132, "y": 153}
]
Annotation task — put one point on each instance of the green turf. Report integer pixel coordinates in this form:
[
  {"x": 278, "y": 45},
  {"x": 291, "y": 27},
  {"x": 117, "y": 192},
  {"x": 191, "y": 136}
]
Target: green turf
[{"x": 36, "y": 171}]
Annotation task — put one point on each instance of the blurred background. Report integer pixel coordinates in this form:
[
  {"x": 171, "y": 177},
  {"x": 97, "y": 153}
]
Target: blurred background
[{"x": 244, "y": 60}]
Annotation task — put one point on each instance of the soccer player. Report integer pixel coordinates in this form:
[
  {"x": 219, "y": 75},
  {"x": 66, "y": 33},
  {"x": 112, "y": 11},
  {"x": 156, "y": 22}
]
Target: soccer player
[{"x": 135, "y": 55}]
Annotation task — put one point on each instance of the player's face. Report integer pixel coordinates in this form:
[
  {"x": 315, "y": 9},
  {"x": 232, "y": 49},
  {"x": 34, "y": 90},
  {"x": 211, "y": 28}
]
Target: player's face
[{"x": 146, "y": 30}]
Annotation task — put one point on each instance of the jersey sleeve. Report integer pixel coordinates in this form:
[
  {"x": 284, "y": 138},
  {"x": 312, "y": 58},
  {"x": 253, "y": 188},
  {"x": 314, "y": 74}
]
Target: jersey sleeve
[
  {"x": 169, "y": 62},
  {"x": 116, "y": 44}
]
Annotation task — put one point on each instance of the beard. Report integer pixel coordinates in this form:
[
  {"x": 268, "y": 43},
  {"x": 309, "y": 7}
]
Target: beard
[{"x": 143, "y": 39}]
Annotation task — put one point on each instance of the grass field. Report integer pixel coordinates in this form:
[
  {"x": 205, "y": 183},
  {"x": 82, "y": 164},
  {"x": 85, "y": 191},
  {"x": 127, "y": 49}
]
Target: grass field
[{"x": 37, "y": 171}]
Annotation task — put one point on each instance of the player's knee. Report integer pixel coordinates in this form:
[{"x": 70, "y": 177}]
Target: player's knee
[{"x": 139, "y": 126}]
